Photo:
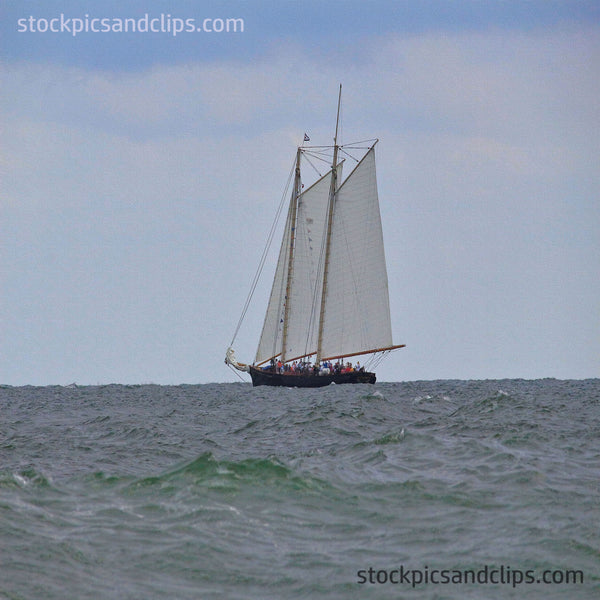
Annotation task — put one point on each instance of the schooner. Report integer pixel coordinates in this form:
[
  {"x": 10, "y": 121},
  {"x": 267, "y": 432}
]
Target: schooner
[{"x": 329, "y": 300}]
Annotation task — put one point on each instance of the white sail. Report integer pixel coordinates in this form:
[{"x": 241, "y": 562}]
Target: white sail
[
  {"x": 301, "y": 328},
  {"x": 305, "y": 288},
  {"x": 329, "y": 298},
  {"x": 269, "y": 344},
  {"x": 357, "y": 313}
]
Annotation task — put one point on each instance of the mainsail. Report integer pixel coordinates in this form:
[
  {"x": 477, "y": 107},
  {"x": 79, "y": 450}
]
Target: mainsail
[
  {"x": 357, "y": 311},
  {"x": 356, "y": 315}
]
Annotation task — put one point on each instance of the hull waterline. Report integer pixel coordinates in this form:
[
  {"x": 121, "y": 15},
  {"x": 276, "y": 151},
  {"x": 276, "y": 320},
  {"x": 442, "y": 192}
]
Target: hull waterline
[{"x": 260, "y": 377}]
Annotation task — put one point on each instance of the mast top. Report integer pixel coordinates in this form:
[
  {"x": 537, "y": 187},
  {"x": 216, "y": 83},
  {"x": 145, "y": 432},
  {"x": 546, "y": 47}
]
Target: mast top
[{"x": 337, "y": 121}]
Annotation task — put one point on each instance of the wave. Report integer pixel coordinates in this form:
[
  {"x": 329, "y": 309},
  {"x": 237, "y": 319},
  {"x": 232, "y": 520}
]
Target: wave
[
  {"x": 206, "y": 471},
  {"x": 392, "y": 437},
  {"x": 27, "y": 477}
]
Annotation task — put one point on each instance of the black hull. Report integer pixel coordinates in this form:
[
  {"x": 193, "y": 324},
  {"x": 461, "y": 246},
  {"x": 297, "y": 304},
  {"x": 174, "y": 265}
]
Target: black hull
[{"x": 260, "y": 377}]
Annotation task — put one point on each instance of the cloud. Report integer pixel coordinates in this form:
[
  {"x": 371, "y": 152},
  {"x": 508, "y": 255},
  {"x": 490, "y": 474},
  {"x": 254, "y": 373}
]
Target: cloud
[{"x": 137, "y": 203}]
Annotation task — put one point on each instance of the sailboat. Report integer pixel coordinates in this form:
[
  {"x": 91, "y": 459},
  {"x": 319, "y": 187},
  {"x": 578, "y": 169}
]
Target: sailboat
[{"x": 329, "y": 300}]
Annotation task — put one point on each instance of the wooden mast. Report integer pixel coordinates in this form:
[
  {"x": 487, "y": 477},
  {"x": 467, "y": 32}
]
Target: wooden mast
[
  {"x": 330, "y": 207},
  {"x": 288, "y": 285}
]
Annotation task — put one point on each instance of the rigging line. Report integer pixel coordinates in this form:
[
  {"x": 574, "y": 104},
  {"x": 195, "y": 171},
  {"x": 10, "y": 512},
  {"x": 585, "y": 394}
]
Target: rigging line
[
  {"x": 374, "y": 360},
  {"x": 352, "y": 144},
  {"x": 378, "y": 358},
  {"x": 263, "y": 258},
  {"x": 319, "y": 155},
  {"x": 322, "y": 156},
  {"x": 350, "y": 155},
  {"x": 323, "y": 148},
  {"x": 313, "y": 166},
  {"x": 236, "y": 373}
]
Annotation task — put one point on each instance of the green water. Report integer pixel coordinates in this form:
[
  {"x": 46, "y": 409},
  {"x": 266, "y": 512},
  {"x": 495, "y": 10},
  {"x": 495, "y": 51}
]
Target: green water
[{"x": 228, "y": 491}]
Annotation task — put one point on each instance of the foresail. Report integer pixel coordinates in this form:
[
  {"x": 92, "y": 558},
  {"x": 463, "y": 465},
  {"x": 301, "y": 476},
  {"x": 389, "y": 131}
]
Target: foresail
[
  {"x": 357, "y": 313},
  {"x": 269, "y": 344},
  {"x": 302, "y": 316}
]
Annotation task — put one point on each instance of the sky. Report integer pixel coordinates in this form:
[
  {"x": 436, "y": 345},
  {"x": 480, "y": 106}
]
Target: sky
[{"x": 140, "y": 173}]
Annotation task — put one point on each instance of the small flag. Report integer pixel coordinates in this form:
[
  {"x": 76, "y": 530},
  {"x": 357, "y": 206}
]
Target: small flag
[{"x": 306, "y": 138}]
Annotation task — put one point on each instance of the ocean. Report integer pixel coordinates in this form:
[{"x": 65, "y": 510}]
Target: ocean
[{"x": 430, "y": 489}]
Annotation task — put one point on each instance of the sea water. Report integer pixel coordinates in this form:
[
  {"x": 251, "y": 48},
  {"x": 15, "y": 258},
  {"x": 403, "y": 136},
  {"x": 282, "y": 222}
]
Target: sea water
[{"x": 442, "y": 489}]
